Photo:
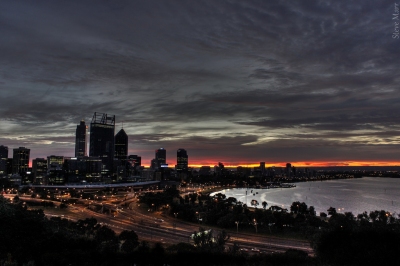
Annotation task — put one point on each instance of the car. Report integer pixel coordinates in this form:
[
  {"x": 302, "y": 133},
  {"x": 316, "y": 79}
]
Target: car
[
  {"x": 255, "y": 250},
  {"x": 159, "y": 220},
  {"x": 244, "y": 250}
]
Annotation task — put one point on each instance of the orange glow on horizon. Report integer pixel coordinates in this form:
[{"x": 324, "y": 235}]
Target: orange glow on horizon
[{"x": 296, "y": 164}]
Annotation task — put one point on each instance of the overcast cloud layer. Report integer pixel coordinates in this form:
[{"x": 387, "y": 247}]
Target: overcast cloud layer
[{"x": 233, "y": 81}]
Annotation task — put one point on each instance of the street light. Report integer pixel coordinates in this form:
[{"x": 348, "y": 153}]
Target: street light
[{"x": 237, "y": 226}]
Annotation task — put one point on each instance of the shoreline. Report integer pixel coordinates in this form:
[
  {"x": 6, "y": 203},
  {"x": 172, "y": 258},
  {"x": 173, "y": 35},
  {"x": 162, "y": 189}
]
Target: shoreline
[{"x": 363, "y": 195}]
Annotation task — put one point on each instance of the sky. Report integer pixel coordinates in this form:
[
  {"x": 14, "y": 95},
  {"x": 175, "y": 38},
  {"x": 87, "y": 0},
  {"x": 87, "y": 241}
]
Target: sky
[{"x": 240, "y": 82}]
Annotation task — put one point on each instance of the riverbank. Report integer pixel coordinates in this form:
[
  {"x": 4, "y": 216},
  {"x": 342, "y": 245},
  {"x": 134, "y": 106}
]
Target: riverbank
[{"x": 346, "y": 195}]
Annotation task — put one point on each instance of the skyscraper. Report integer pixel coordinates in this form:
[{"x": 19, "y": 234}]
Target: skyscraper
[
  {"x": 181, "y": 160},
  {"x": 288, "y": 170},
  {"x": 39, "y": 169},
  {"x": 20, "y": 160},
  {"x": 3, "y": 160},
  {"x": 161, "y": 157},
  {"x": 121, "y": 146},
  {"x": 80, "y": 140},
  {"x": 102, "y": 140},
  {"x": 262, "y": 168}
]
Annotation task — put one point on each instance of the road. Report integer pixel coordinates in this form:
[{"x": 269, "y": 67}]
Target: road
[{"x": 156, "y": 227}]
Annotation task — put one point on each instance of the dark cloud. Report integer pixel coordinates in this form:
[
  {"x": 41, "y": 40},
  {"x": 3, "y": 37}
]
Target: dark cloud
[{"x": 225, "y": 79}]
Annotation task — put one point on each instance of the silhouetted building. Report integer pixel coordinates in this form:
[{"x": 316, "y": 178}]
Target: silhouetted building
[
  {"x": 262, "y": 168},
  {"x": 161, "y": 157},
  {"x": 135, "y": 160},
  {"x": 243, "y": 171},
  {"x": 220, "y": 169},
  {"x": 181, "y": 161},
  {"x": 121, "y": 146},
  {"x": 9, "y": 166},
  {"x": 3, "y": 160},
  {"x": 288, "y": 170},
  {"x": 153, "y": 164},
  {"x": 121, "y": 153},
  {"x": 20, "y": 160},
  {"x": 81, "y": 140},
  {"x": 205, "y": 170},
  {"x": 134, "y": 163},
  {"x": 102, "y": 140}
]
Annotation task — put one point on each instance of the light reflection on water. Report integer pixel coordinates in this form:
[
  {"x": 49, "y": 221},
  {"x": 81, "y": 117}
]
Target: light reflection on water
[{"x": 346, "y": 195}]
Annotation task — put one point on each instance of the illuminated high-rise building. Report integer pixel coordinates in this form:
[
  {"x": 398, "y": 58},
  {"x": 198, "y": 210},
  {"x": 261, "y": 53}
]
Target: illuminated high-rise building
[
  {"x": 39, "y": 169},
  {"x": 121, "y": 146},
  {"x": 161, "y": 157},
  {"x": 54, "y": 161},
  {"x": 102, "y": 130},
  {"x": 3, "y": 160},
  {"x": 181, "y": 160},
  {"x": 20, "y": 163},
  {"x": 81, "y": 140}
]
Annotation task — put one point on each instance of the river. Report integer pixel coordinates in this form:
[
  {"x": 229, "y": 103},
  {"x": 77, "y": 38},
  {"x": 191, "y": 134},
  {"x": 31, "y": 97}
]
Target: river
[{"x": 346, "y": 195}]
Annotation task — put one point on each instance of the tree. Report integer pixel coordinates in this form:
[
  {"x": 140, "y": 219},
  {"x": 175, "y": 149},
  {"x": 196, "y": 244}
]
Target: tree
[
  {"x": 204, "y": 240},
  {"x": 106, "y": 239},
  {"x": 130, "y": 240},
  {"x": 16, "y": 199},
  {"x": 298, "y": 207},
  {"x": 254, "y": 203},
  {"x": 193, "y": 198},
  {"x": 220, "y": 241},
  {"x": 311, "y": 210},
  {"x": 264, "y": 204},
  {"x": 331, "y": 211}
]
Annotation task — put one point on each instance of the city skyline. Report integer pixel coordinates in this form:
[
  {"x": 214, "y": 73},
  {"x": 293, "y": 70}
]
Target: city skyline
[{"x": 311, "y": 83}]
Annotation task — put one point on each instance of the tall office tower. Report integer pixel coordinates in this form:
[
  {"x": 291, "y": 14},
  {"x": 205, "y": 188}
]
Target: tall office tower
[
  {"x": 102, "y": 140},
  {"x": 181, "y": 160},
  {"x": 39, "y": 169},
  {"x": 121, "y": 146},
  {"x": 20, "y": 160},
  {"x": 288, "y": 170},
  {"x": 262, "y": 168},
  {"x": 3, "y": 160},
  {"x": 153, "y": 164},
  {"x": 80, "y": 140},
  {"x": 9, "y": 166},
  {"x": 161, "y": 157}
]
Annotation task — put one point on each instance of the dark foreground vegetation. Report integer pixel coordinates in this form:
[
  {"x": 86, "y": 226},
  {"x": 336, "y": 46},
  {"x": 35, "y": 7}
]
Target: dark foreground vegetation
[{"x": 27, "y": 237}]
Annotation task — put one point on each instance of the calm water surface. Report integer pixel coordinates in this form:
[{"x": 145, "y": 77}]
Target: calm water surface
[{"x": 346, "y": 195}]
